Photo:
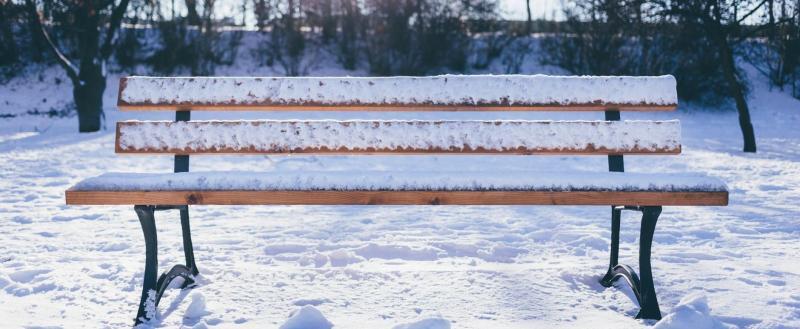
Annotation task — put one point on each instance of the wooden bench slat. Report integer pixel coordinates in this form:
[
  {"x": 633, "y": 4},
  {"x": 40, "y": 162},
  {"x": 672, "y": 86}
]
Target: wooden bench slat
[
  {"x": 437, "y": 93},
  {"x": 396, "y": 198},
  {"x": 398, "y": 187},
  {"x": 401, "y": 137}
]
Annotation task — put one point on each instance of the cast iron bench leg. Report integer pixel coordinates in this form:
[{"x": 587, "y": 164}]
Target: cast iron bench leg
[
  {"x": 642, "y": 286},
  {"x": 152, "y": 289},
  {"x": 147, "y": 303},
  {"x": 188, "y": 250},
  {"x": 648, "y": 301}
]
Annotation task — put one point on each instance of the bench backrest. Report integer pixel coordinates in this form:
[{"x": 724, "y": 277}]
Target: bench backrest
[{"x": 440, "y": 93}]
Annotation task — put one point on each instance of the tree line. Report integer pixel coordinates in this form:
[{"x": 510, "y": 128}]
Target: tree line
[{"x": 704, "y": 43}]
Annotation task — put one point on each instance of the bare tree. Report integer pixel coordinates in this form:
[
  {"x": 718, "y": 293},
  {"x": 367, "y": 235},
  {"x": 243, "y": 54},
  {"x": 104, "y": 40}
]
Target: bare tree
[
  {"x": 348, "y": 42},
  {"x": 8, "y": 45},
  {"x": 198, "y": 48},
  {"x": 696, "y": 40},
  {"x": 93, "y": 50},
  {"x": 192, "y": 14},
  {"x": 529, "y": 22},
  {"x": 722, "y": 24},
  {"x": 776, "y": 55},
  {"x": 594, "y": 40}
]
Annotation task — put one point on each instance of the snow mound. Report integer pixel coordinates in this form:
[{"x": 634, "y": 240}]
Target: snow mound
[
  {"x": 197, "y": 308},
  {"x": 311, "y": 301},
  {"x": 341, "y": 258},
  {"x": 307, "y": 317},
  {"x": 691, "y": 312},
  {"x": 429, "y": 323}
]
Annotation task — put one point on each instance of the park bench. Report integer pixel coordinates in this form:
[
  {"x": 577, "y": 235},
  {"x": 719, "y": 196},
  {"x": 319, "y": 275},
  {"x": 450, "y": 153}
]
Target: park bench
[{"x": 646, "y": 193}]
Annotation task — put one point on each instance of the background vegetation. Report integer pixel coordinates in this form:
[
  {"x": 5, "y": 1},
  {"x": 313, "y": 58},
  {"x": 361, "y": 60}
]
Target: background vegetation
[{"x": 704, "y": 43}]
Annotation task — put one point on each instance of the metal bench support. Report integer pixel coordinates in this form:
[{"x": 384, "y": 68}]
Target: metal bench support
[
  {"x": 642, "y": 284},
  {"x": 152, "y": 289}
]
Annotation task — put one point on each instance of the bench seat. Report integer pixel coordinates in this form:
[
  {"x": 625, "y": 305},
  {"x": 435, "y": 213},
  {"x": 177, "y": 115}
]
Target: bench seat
[{"x": 401, "y": 187}]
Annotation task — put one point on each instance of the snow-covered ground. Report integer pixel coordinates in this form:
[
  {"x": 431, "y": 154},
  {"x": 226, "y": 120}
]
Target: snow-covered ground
[{"x": 386, "y": 266}]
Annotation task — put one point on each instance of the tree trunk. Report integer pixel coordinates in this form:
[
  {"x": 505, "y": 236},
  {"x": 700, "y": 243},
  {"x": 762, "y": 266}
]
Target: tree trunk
[
  {"x": 89, "y": 80},
  {"x": 529, "y": 23},
  {"x": 88, "y": 96},
  {"x": 737, "y": 91},
  {"x": 7, "y": 43},
  {"x": 38, "y": 44},
  {"x": 328, "y": 21},
  {"x": 88, "y": 91},
  {"x": 192, "y": 15}
]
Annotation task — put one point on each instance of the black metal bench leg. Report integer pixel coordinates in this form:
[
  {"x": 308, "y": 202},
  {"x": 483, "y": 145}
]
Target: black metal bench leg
[
  {"x": 147, "y": 303},
  {"x": 610, "y": 277},
  {"x": 188, "y": 249},
  {"x": 648, "y": 301},
  {"x": 152, "y": 289},
  {"x": 642, "y": 286}
]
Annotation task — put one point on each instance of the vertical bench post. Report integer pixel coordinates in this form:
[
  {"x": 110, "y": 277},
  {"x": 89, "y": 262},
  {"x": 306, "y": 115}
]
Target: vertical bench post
[
  {"x": 642, "y": 285},
  {"x": 182, "y": 165},
  {"x": 182, "y": 161},
  {"x": 615, "y": 164}
]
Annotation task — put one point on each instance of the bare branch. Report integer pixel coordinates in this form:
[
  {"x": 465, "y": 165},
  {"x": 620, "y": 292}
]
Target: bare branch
[
  {"x": 751, "y": 33},
  {"x": 62, "y": 60},
  {"x": 751, "y": 12},
  {"x": 116, "y": 20}
]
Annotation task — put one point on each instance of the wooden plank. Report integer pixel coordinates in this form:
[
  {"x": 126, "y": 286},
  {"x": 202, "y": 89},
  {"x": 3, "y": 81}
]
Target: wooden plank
[
  {"x": 436, "y": 93},
  {"x": 399, "y": 137},
  {"x": 229, "y": 197},
  {"x": 126, "y": 107}
]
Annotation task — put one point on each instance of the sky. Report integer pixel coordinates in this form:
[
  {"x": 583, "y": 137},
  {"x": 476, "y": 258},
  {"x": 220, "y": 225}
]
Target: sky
[
  {"x": 510, "y": 9},
  {"x": 515, "y": 9}
]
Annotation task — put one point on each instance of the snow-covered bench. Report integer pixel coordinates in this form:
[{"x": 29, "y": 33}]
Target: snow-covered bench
[{"x": 647, "y": 193}]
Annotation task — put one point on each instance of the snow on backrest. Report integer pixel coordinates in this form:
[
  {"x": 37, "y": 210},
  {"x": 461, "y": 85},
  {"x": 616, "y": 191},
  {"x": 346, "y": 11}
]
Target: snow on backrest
[
  {"x": 456, "y": 92},
  {"x": 393, "y": 136}
]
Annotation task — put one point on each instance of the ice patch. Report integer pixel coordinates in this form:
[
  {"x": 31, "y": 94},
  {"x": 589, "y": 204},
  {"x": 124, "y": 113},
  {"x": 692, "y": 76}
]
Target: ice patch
[
  {"x": 691, "y": 312},
  {"x": 429, "y": 323},
  {"x": 307, "y": 317}
]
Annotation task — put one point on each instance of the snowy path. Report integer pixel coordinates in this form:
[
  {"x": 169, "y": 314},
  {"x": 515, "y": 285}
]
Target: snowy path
[{"x": 377, "y": 267}]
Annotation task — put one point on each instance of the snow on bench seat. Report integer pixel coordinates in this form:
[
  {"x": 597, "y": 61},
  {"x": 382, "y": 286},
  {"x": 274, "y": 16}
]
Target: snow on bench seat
[
  {"x": 414, "y": 136},
  {"x": 403, "y": 93},
  {"x": 402, "y": 181},
  {"x": 406, "y": 187}
]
